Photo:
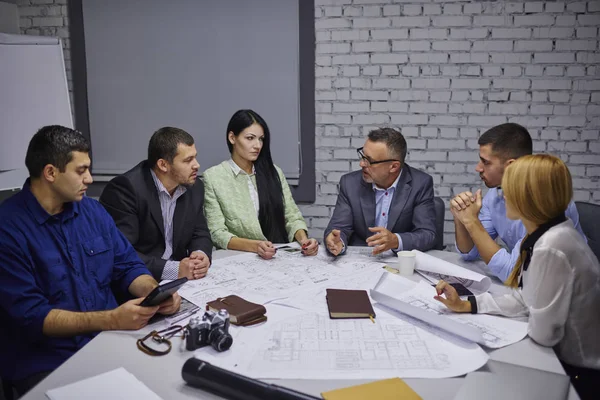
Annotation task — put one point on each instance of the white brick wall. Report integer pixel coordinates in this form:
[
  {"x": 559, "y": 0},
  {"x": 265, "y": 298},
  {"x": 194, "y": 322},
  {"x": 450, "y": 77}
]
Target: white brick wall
[
  {"x": 460, "y": 68},
  {"x": 443, "y": 71}
]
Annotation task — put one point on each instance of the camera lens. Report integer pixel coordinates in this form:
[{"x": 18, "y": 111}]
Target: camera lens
[{"x": 219, "y": 339}]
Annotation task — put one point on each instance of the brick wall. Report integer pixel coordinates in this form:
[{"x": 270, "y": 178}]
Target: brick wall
[
  {"x": 443, "y": 71},
  {"x": 446, "y": 71}
]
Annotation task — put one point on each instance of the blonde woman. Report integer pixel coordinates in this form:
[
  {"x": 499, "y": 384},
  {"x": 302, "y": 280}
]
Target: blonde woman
[{"x": 556, "y": 279}]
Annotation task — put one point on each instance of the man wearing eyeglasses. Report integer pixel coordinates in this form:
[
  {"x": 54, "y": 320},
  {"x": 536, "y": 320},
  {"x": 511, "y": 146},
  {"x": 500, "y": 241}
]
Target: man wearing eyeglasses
[{"x": 387, "y": 205}]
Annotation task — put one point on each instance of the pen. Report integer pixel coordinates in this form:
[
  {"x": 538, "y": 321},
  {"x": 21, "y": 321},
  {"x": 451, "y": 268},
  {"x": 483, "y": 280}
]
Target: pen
[{"x": 184, "y": 315}]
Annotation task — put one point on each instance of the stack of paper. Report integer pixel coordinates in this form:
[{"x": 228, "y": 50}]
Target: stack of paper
[{"x": 117, "y": 384}]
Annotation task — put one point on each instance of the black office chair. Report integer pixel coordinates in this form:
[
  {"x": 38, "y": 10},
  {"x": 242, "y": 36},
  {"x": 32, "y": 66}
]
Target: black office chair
[
  {"x": 589, "y": 218},
  {"x": 440, "y": 214},
  {"x": 7, "y": 391}
]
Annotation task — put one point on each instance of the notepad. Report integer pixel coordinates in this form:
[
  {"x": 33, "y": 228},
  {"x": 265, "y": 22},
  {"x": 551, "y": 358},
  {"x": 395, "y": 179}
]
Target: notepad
[
  {"x": 349, "y": 304},
  {"x": 387, "y": 389},
  {"x": 118, "y": 384}
]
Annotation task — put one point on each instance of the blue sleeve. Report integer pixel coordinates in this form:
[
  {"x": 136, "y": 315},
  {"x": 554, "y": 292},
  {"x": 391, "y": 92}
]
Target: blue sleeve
[
  {"x": 21, "y": 298},
  {"x": 502, "y": 262},
  {"x": 574, "y": 216},
  {"x": 485, "y": 216},
  {"x": 127, "y": 264}
]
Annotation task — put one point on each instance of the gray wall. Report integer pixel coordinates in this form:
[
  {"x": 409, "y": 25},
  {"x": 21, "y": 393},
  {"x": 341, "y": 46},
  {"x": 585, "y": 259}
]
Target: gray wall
[
  {"x": 444, "y": 71},
  {"x": 9, "y": 16}
]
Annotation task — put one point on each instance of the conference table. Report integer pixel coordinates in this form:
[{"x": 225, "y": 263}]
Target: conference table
[{"x": 113, "y": 349}]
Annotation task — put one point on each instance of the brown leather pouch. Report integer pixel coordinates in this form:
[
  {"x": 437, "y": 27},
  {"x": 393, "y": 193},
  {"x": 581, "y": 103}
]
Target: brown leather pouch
[{"x": 241, "y": 312}]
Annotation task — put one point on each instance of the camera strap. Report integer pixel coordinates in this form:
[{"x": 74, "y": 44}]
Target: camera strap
[{"x": 160, "y": 338}]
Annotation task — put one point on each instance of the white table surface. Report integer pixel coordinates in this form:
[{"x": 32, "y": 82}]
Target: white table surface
[{"x": 110, "y": 350}]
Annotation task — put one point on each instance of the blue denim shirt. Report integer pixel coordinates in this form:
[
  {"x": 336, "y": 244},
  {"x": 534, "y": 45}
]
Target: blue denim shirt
[
  {"x": 493, "y": 218},
  {"x": 68, "y": 262}
]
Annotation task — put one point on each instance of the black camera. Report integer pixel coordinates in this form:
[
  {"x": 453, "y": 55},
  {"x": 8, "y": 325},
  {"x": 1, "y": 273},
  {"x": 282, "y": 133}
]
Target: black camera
[{"x": 210, "y": 329}]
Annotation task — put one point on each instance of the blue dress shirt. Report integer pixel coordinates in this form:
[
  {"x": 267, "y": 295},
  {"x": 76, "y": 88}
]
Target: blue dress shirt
[
  {"x": 383, "y": 200},
  {"x": 66, "y": 261},
  {"x": 494, "y": 220}
]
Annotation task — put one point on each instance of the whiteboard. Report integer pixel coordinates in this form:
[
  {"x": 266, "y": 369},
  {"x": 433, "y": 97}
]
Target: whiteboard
[
  {"x": 190, "y": 64},
  {"x": 33, "y": 93}
]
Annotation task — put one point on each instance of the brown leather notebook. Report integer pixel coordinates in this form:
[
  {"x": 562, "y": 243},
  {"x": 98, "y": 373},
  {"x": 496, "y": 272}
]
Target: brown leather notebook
[
  {"x": 349, "y": 304},
  {"x": 241, "y": 312}
]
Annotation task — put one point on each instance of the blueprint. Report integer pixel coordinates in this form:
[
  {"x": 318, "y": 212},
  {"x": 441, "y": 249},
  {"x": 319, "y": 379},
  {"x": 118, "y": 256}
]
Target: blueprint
[
  {"x": 452, "y": 273},
  {"x": 312, "y": 346},
  {"x": 315, "y": 300},
  {"x": 263, "y": 281},
  {"x": 418, "y": 302}
]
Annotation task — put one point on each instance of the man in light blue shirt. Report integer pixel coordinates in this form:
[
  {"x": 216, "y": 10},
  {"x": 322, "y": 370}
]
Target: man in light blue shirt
[{"x": 478, "y": 222}]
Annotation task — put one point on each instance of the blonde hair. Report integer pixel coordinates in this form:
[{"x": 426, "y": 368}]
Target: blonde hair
[{"x": 539, "y": 189}]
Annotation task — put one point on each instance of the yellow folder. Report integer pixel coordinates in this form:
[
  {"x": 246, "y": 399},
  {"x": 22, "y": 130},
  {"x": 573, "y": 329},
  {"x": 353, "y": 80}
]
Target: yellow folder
[{"x": 387, "y": 389}]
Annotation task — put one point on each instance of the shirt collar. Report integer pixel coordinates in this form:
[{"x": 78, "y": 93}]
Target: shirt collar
[
  {"x": 161, "y": 188},
  {"x": 237, "y": 170},
  {"x": 70, "y": 209},
  {"x": 530, "y": 240},
  {"x": 394, "y": 185}
]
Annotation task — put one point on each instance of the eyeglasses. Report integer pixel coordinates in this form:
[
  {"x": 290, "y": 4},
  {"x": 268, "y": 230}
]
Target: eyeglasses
[{"x": 362, "y": 157}]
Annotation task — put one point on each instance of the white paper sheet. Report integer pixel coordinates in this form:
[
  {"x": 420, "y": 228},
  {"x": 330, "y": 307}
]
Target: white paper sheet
[
  {"x": 312, "y": 346},
  {"x": 262, "y": 281},
  {"x": 416, "y": 300},
  {"x": 452, "y": 273},
  {"x": 118, "y": 384},
  {"x": 315, "y": 300}
]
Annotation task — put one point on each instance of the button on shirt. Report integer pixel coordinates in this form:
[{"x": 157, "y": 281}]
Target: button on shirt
[
  {"x": 66, "y": 261},
  {"x": 383, "y": 200},
  {"x": 167, "y": 208},
  {"x": 494, "y": 220},
  {"x": 251, "y": 183}
]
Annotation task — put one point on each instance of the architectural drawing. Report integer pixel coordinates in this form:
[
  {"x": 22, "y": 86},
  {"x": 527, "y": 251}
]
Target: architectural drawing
[
  {"x": 312, "y": 346},
  {"x": 263, "y": 281}
]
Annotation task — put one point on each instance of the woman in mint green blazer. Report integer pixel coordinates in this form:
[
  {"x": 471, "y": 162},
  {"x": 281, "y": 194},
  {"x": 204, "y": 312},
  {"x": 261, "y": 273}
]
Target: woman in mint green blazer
[{"x": 247, "y": 201}]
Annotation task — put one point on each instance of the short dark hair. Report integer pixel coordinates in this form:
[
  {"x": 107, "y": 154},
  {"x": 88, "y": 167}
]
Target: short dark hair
[
  {"x": 508, "y": 141},
  {"x": 393, "y": 139},
  {"x": 163, "y": 144},
  {"x": 53, "y": 144}
]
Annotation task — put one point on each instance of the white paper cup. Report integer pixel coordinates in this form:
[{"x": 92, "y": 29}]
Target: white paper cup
[{"x": 406, "y": 262}]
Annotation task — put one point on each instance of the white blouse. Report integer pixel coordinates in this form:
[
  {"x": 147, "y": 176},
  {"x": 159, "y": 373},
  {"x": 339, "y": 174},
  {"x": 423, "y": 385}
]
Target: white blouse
[
  {"x": 251, "y": 185},
  {"x": 561, "y": 295}
]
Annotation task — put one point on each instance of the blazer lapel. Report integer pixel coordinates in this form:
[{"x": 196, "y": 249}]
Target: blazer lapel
[
  {"x": 154, "y": 202},
  {"x": 178, "y": 220},
  {"x": 367, "y": 203},
  {"x": 401, "y": 195}
]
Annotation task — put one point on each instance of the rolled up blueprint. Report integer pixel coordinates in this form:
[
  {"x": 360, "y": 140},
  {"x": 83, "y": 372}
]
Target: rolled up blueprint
[
  {"x": 382, "y": 295},
  {"x": 416, "y": 300},
  {"x": 452, "y": 273}
]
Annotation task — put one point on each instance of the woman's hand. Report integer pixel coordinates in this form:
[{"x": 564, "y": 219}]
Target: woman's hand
[
  {"x": 452, "y": 299},
  {"x": 265, "y": 249},
  {"x": 310, "y": 247}
]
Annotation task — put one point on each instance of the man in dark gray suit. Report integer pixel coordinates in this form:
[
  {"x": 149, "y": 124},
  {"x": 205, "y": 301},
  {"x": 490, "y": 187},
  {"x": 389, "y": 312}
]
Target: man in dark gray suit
[{"x": 387, "y": 205}]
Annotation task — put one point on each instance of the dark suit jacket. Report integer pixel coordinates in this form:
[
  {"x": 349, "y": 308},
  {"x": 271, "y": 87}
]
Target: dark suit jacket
[
  {"x": 411, "y": 214},
  {"x": 132, "y": 200}
]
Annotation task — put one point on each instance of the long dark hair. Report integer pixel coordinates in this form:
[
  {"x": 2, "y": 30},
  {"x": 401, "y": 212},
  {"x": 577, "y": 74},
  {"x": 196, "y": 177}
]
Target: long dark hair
[{"x": 270, "y": 194}]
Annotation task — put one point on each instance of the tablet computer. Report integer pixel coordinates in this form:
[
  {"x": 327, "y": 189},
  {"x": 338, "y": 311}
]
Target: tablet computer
[{"x": 162, "y": 292}]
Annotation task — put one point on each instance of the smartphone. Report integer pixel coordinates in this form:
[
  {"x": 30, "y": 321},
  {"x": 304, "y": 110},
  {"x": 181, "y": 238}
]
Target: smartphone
[
  {"x": 162, "y": 292},
  {"x": 289, "y": 249}
]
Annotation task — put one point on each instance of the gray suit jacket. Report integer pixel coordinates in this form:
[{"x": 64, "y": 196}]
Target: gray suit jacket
[{"x": 411, "y": 214}]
